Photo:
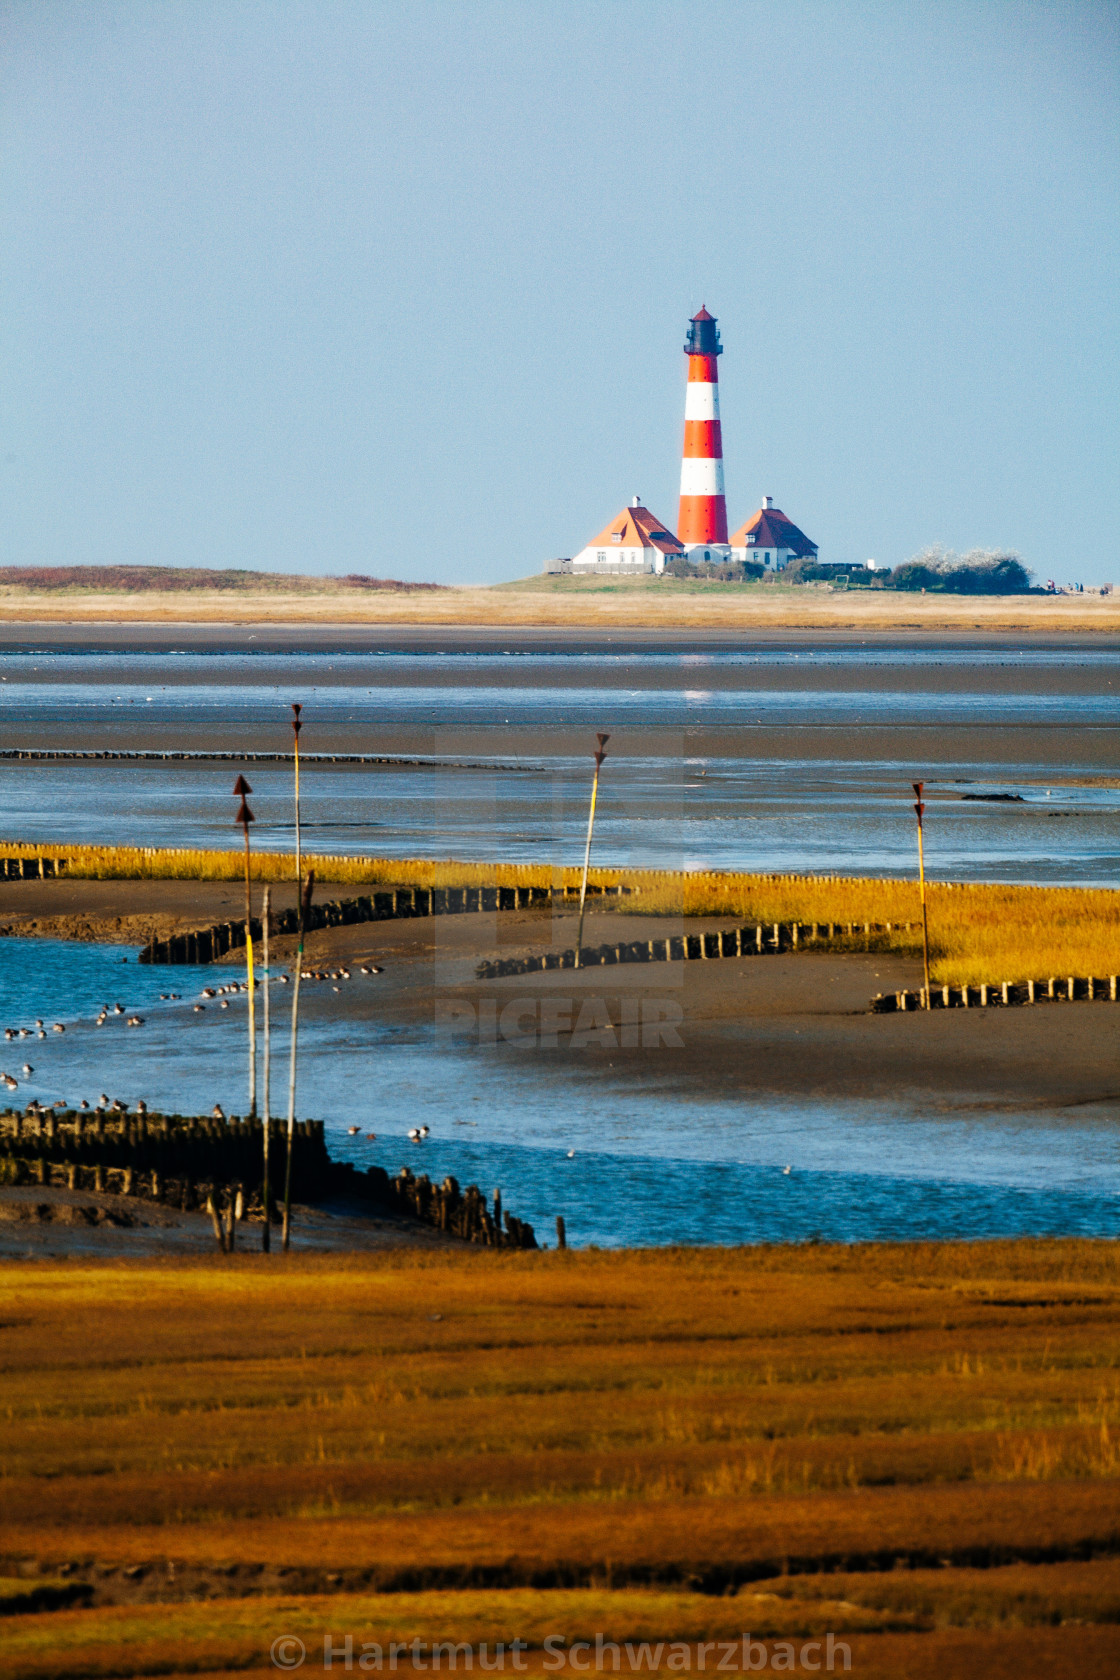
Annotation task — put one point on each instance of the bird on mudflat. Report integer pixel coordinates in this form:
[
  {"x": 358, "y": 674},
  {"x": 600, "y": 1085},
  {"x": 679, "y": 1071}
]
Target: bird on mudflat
[
  {"x": 216, "y": 1112},
  {"x": 786, "y": 1171},
  {"x": 353, "y": 1130}
]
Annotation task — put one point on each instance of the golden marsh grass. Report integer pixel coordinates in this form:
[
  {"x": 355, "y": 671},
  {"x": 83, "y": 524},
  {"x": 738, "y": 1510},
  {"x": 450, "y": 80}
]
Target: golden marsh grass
[
  {"x": 574, "y": 1425},
  {"x": 979, "y": 932}
]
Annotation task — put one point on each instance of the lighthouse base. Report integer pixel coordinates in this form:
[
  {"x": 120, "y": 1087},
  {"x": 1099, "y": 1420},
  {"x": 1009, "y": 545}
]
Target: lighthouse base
[{"x": 715, "y": 554}]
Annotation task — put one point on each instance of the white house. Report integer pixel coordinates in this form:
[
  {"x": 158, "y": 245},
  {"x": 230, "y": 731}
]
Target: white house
[
  {"x": 633, "y": 543},
  {"x": 772, "y": 540}
]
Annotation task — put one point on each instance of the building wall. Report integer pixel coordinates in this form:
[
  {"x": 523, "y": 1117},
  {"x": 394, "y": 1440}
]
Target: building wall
[{"x": 609, "y": 559}]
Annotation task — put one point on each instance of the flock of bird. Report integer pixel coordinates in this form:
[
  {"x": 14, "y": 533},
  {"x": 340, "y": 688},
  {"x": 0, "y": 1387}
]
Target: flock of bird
[
  {"x": 37, "y": 1031},
  {"x": 220, "y": 994}
]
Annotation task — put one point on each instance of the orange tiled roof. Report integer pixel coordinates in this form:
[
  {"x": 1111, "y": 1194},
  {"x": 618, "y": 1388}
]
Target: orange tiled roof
[{"x": 636, "y": 527}]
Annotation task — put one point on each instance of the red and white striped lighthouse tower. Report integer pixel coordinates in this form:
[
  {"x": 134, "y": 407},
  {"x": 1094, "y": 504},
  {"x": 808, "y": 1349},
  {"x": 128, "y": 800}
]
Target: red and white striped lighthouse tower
[{"x": 703, "y": 512}]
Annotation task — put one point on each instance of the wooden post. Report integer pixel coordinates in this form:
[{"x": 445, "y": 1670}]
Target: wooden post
[
  {"x": 599, "y": 757},
  {"x": 245, "y": 817},
  {"x": 304, "y": 912},
  {"x": 219, "y": 1233},
  {"x": 561, "y": 1232},
  {"x": 266, "y": 1124},
  {"x": 919, "y": 808}
]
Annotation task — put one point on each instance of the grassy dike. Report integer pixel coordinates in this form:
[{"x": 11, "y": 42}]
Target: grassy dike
[
  {"x": 913, "y": 1447},
  {"x": 979, "y": 933}
]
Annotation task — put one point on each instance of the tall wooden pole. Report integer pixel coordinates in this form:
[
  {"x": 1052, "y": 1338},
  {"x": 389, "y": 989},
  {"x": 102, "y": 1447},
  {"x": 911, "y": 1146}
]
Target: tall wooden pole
[
  {"x": 304, "y": 909},
  {"x": 919, "y": 809},
  {"x": 245, "y": 817},
  {"x": 287, "y": 1226},
  {"x": 296, "y": 727},
  {"x": 266, "y": 1121},
  {"x": 599, "y": 757}
]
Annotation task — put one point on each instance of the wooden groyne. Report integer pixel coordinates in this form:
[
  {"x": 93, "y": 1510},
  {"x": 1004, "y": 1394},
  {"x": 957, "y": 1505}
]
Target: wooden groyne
[
  {"x": 1003, "y": 994},
  {"x": 71, "y": 755},
  {"x": 461, "y": 1213},
  {"x": 31, "y": 868},
  {"x": 172, "y": 1158},
  {"x": 758, "y": 939},
  {"x": 190, "y": 1162},
  {"x": 204, "y": 945}
]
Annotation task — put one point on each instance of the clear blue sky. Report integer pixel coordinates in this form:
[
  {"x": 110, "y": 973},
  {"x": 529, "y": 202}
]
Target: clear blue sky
[{"x": 334, "y": 285}]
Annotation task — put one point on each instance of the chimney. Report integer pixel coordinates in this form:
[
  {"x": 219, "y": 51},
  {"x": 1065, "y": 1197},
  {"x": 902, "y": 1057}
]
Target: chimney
[
  {"x": 637, "y": 502},
  {"x": 767, "y": 501}
]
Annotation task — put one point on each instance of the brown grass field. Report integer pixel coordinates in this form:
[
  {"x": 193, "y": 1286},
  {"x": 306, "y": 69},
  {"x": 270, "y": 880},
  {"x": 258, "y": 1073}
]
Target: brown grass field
[
  {"x": 979, "y": 933},
  {"x": 913, "y": 1448},
  {"x": 653, "y": 603}
]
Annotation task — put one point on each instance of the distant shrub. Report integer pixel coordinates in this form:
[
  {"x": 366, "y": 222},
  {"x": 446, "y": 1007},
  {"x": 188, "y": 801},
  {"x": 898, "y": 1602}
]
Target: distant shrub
[
  {"x": 979, "y": 572},
  {"x": 729, "y": 571}
]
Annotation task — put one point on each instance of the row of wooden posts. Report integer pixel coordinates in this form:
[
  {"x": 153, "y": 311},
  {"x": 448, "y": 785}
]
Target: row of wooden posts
[
  {"x": 461, "y": 1213},
  {"x": 747, "y": 941},
  {"x": 172, "y": 1146},
  {"x": 1005, "y": 993},
  {"x": 203, "y": 945},
  {"x": 196, "y": 1163}
]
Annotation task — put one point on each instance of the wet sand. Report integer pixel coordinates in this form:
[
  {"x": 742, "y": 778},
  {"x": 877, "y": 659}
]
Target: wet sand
[
  {"x": 1022, "y": 743},
  {"x": 795, "y": 1025},
  {"x": 50, "y": 1223},
  {"x": 265, "y": 633}
]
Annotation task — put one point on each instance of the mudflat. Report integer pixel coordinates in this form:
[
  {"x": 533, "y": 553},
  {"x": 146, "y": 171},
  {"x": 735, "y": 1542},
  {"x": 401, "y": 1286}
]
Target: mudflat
[{"x": 794, "y": 1024}]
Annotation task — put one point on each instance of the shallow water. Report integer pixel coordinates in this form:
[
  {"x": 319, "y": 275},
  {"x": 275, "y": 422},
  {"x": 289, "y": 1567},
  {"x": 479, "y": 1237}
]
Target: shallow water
[
  {"x": 765, "y": 759},
  {"x": 622, "y": 1166},
  {"x": 761, "y": 761}
]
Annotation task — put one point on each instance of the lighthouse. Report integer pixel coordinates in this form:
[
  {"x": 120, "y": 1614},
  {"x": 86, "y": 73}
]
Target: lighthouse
[{"x": 702, "y": 525}]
